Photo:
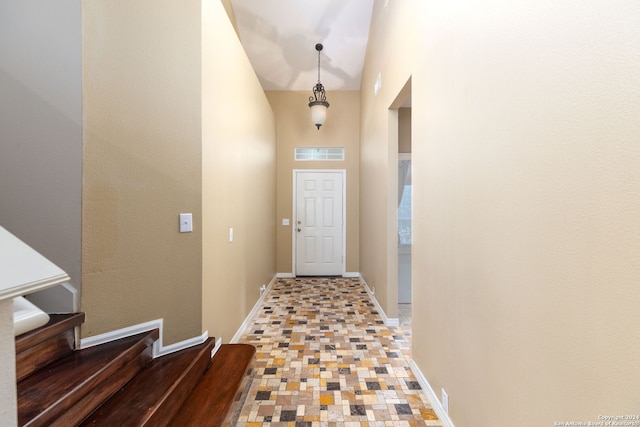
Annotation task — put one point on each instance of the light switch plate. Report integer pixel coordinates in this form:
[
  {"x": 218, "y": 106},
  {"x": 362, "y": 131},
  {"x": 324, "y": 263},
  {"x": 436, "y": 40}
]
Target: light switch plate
[
  {"x": 285, "y": 221},
  {"x": 186, "y": 223}
]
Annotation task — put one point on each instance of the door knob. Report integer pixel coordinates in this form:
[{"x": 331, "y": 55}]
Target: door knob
[{"x": 299, "y": 230}]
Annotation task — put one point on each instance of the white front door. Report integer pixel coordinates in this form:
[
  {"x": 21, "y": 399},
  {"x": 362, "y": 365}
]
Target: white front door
[{"x": 319, "y": 225}]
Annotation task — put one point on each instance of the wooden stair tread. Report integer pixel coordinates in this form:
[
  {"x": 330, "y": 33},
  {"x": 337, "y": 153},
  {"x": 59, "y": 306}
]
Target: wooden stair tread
[
  {"x": 154, "y": 395},
  {"x": 226, "y": 380},
  {"x": 58, "y": 323},
  {"x": 54, "y": 390},
  {"x": 118, "y": 383}
]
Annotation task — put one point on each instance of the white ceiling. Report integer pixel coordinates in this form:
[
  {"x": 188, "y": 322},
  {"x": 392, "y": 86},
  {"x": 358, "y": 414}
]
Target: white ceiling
[{"x": 279, "y": 37}]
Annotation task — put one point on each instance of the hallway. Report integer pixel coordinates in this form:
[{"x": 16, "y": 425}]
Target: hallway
[{"x": 325, "y": 358}]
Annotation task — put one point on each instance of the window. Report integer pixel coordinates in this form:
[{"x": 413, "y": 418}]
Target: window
[
  {"x": 404, "y": 204},
  {"x": 319, "y": 153},
  {"x": 404, "y": 217}
]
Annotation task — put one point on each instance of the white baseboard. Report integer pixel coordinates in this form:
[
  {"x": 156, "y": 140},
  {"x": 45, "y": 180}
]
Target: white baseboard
[
  {"x": 216, "y": 347},
  {"x": 428, "y": 390},
  {"x": 172, "y": 348},
  {"x": 389, "y": 321},
  {"x": 285, "y": 275},
  {"x": 293, "y": 276},
  {"x": 351, "y": 274},
  {"x": 158, "y": 348},
  {"x": 256, "y": 307}
]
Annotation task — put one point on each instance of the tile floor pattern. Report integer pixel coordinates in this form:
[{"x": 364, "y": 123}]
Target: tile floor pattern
[{"x": 325, "y": 359}]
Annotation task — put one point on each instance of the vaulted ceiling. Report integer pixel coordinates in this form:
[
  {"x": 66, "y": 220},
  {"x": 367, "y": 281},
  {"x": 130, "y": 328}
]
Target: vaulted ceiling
[{"x": 279, "y": 36}]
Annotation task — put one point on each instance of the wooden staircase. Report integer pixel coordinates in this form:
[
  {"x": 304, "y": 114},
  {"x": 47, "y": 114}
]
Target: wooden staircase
[{"x": 120, "y": 384}]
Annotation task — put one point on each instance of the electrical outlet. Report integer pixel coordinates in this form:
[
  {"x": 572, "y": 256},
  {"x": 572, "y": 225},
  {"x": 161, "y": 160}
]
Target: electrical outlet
[{"x": 445, "y": 401}]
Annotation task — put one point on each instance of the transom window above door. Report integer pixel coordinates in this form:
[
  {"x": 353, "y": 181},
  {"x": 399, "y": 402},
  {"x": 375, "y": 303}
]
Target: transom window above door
[{"x": 319, "y": 153}]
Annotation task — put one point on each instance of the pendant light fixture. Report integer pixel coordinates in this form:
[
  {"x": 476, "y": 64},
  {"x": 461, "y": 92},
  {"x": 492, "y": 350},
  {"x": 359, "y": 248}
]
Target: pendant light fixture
[{"x": 318, "y": 102}]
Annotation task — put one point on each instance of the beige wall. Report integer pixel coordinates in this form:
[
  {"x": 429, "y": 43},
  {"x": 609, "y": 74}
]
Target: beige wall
[
  {"x": 142, "y": 165},
  {"x": 295, "y": 129},
  {"x": 526, "y": 201},
  {"x": 238, "y": 179},
  {"x": 388, "y": 51}
]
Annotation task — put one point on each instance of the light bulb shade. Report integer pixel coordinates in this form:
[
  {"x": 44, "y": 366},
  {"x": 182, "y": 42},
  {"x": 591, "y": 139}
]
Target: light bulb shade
[{"x": 318, "y": 112}]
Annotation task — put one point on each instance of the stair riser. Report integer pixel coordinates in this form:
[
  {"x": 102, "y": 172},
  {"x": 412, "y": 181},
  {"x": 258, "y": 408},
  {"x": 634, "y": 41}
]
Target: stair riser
[
  {"x": 58, "y": 324},
  {"x": 45, "y": 345},
  {"x": 34, "y": 358}
]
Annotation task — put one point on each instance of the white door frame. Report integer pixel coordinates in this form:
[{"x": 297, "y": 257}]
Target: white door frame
[{"x": 295, "y": 215}]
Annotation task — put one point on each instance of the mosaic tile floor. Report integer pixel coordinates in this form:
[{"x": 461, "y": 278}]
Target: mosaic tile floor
[{"x": 325, "y": 359}]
